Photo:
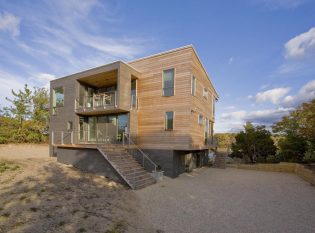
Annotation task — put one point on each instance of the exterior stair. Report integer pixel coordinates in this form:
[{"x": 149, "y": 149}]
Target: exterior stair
[
  {"x": 126, "y": 166},
  {"x": 219, "y": 160}
]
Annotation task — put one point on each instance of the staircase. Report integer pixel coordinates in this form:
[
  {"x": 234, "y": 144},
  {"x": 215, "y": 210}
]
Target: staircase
[
  {"x": 126, "y": 166},
  {"x": 219, "y": 161}
]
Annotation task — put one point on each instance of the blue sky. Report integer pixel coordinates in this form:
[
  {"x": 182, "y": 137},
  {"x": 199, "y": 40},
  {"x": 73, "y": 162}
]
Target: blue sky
[{"x": 260, "y": 54}]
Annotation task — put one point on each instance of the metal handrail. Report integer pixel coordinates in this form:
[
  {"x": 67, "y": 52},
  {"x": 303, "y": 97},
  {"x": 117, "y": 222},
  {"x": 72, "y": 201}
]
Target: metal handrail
[
  {"x": 74, "y": 136},
  {"x": 97, "y": 100},
  {"x": 144, "y": 155}
]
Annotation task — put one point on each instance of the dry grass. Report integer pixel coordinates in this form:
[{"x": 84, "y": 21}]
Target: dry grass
[{"x": 42, "y": 195}]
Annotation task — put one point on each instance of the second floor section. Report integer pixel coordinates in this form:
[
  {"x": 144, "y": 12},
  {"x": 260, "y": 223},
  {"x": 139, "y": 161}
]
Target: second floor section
[{"x": 108, "y": 89}]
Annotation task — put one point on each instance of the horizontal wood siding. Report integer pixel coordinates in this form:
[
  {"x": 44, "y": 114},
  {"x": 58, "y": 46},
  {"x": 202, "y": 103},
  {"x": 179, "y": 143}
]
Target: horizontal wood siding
[
  {"x": 152, "y": 105},
  {"x": 200, "y": 104}
]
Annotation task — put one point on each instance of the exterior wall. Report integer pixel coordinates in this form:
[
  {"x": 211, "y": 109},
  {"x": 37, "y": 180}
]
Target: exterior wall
[
  {"x": 88, "y": 160},
  {"x": 172, "y": 162},
  {"x": 187, "y": 133},
  {"x": 152, "y": 105},
  {"x": 70, "y": 84},
  {"x": 200, "y": 104}
]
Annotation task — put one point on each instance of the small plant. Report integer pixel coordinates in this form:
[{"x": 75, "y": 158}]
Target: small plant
[
  {"x": 271, "y": 159},
  {"x": 81, "y": 230},
  {"x": 48, "y": 216},
  {"x": 7, "y": 214},
  {"x": 119, "y": 227},
  {"x": 33, "y": 209},
  {"x": 158, "y": 168},
  {"x": 62, "y": 223},
  {"x": 22, "y": 198}
]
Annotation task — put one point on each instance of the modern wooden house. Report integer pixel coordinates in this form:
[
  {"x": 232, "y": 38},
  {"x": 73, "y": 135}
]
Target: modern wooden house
[{"x": 126, "y": 119}]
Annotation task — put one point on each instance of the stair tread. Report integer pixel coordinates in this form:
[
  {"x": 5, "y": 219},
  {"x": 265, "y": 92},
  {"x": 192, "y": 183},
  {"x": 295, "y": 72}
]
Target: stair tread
[{"x": 127, "y": 166}]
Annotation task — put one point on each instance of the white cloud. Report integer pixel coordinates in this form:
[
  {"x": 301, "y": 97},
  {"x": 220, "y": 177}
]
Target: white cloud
[
  {"x": 281, "y": 4},
  {"x": 301, "y": 45},
  {"x": 10, "y": 23},
  {"x": 234, "y": 121},
  {"x": 264, "y": 86},
  {"x": 231, "y": 107},
  {"x": 306, "y": 93},
  {"x": 273, "y": 95},
  {"x": 8, "y": 82},
  {"x": 42, "y": 79},
  {"x": 231, "y": 60}
]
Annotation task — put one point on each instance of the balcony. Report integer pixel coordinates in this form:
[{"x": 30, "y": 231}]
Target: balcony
[
  {"x": 112, "y": 89},
  {"x": 97, "y": 102}
]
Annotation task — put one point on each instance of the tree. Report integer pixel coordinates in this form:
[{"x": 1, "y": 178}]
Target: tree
[
  {"x": 40, "y": 101},
  {"x": 225, "y": 140},
  {"x": 253, "y": 143},
  {"x": 21, "y": 105},
  {"x": 298, "y": 133},
  {"x": 26, "y": 120}
]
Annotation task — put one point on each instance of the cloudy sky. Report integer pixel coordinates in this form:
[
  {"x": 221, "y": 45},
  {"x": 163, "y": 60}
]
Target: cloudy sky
[{"x": 260, "y": 54}]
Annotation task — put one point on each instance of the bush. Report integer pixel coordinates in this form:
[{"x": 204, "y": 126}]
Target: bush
[
  {"x": 309, "y": 157},
  {"x": 3, "y": 140},
  {"x": 272, "y": 159}
]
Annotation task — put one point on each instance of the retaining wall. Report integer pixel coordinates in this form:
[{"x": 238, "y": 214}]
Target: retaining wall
[{"x": 299, "y": 169}]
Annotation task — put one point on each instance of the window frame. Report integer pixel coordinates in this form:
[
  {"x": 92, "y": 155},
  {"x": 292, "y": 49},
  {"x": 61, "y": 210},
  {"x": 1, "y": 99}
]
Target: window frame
[
  {"x": 205, "y": 93},
  {"x": 54, "y": 100},
  {"x": 200, "y": 119},
  {"x": 70, "y": 125},
  {"x": 193, "y": 85},
  {"x": 174, "y": 74},
  {"x": 166, "y": 121}
]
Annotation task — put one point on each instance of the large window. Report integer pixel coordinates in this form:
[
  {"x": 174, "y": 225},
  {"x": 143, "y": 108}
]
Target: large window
[
  {"x": 169, "y": 120},
  {"x": 58, "y": 97},
  {"x": 200, "y": 119},
  {"x": 168, "y": 82},
  {"x": 213, "y": 106},
  {"x": 193, "y": 85},
  {"x": 205, "y": 93}
]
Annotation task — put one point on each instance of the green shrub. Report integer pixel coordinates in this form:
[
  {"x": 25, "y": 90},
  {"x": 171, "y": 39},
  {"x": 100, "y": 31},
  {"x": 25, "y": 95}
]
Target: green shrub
[
  {"x": 3, "y": 140},
  {"x": 309, "y": 157},
  {"x": 272, "y": 159}
]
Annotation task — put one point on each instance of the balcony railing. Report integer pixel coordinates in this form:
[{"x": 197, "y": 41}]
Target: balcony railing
[
  {"x": 97, "y": 101},
  {"x": 85, "y": 137}
]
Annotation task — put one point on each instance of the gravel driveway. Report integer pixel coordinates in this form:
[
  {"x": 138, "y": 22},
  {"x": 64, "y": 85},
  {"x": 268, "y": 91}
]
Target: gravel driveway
[{"x": 230, "y": 200}]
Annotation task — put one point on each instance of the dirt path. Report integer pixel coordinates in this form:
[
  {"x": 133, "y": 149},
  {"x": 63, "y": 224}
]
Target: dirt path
[{"x": 45, "y": 196}]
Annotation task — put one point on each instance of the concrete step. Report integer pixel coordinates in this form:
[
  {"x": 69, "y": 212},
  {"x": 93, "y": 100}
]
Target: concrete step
[{"x": 128, "y": 166}]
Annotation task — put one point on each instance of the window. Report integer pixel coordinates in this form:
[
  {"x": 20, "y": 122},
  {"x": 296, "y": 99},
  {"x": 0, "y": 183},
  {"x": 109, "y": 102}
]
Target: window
[
  {"x": 206, "y": 129},
  {"x": 193, "y": 85},
  {"x": 168, "y": 82},
  {"x": 200, "y": 119},
  {"x": 169, "y": 116},
  {"x": 69, "y": 125},
  {"x": 58, "y": 97},
  {"x": 213, "y": 106},
  {"x": 205, "y": 93}
]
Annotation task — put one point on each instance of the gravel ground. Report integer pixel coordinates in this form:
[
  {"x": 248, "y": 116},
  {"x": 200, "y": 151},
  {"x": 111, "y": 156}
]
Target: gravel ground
[{"x": 230, "y": 200}]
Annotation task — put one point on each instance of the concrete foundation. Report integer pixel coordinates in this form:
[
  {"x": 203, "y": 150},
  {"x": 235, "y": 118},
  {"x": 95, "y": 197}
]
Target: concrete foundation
[{"x": 87, "y": 160}]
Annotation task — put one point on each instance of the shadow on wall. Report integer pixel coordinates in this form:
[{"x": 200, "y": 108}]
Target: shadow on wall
[{"x": 59, "y": 199}]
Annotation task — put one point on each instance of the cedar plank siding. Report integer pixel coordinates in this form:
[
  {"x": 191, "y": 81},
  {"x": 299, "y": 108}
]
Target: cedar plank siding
[
  {"x": 187, "y": 133},
  {"x": 152, "y": 105}
]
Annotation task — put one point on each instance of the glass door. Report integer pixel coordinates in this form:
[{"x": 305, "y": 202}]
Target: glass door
[
  {"x": 122, "y": 126},
  {"x": 92, "y": 129}
]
